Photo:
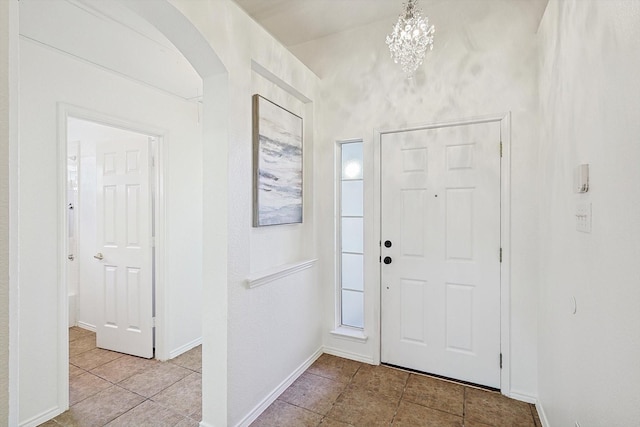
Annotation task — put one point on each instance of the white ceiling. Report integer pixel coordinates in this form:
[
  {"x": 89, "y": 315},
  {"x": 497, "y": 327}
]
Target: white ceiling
[
  {"x": 293, "y": 22},
  {"x": 91, "y": 23}
]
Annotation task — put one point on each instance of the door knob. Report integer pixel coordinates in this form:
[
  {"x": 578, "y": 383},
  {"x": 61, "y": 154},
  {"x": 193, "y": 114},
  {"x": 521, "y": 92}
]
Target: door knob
[
  {"x": 387, "y": 260},
  {"x": 99, "y": 256},
  {"x": 70, "y": 257},
  {"x": 387, "y": 243}
]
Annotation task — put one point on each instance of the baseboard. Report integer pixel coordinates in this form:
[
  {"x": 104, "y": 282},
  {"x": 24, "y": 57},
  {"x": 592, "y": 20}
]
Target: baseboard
[
  {"x": 184, "y": 348},
  {"x": 87, "y": 326},
  {"x": 523, "y": 397},
  {"x": 348, "y": 355},
  {"x": 262, "y": 406},
  {"x": 543, "y": 416},
  {"x": 42, "y": 418}
]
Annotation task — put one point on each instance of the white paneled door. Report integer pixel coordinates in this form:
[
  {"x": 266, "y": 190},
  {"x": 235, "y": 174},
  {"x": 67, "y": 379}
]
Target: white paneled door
[
  {"x": 441, "y": 251},
  {"x": 124, "y": 252}
]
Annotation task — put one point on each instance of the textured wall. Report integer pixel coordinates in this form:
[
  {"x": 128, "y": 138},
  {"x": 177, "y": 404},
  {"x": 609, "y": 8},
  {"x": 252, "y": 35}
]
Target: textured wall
[
  {"x": 483, "y": 63},
  {"x": 4, "y": 212},
  {"x": 590, "y": 110}
]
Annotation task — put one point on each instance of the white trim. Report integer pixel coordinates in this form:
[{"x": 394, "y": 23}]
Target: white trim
[
  {"x": 337, "y": 237},
  {"x": 505, "y": 244},
  {"x": 87, "y": 326},
  {"x": 63, "y": 249},
  {"x": 352, "y": 334},
  {"x": 505, "y": 231},
  {"x": 348, "y": 355},
  {"x": 522, "y": 397},
  {"x": 43, "y": 417},
  {"x": 264, "y": 72},
  {"x": 542, "y": 415},
  {"x": 276, "y": 273},
  {"x": 373, "y": 247},
  {"x": 451, "y": 123},
  {"x": 160, "y": 151},
  {"x": 262, "y": 406},
  {"x": 184, "y": 348}
]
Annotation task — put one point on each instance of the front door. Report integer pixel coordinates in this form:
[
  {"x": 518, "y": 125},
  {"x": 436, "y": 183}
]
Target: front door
[
  {"x": 441, "y": 251},
  {"x": 124, "y": 252}
]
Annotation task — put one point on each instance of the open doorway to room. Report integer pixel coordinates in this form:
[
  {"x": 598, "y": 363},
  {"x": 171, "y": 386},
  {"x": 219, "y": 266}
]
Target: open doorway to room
[{"x": 111, "y": 217}]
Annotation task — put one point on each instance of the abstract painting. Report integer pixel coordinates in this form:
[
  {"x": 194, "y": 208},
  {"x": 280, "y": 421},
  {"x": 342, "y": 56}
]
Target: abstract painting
[{"x": 277, "y": 164}]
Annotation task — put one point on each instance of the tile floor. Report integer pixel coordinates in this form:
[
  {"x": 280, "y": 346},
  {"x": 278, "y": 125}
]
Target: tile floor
[
  {"x": 117, "y": 390},
  {"x": 113, "y": 389},
  {"x": 336, "y": 392}
]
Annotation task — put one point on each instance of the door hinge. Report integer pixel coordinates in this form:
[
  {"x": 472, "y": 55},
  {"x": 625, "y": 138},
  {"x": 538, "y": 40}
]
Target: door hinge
[
  {"x": 500, "y": 148},
  {"x": 500, "y": 360},
  {"x": 500, "y": 254},
  {"x": 153, "y": 322},
  {"x": 380, "y": 259}
]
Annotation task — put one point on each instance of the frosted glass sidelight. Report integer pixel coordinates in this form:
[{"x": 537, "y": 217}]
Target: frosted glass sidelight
[
  {"x": 352, "y": 235},
  {"x": 353, "y": 272},
  {"x": 352, "y": 192},
  {"x": 352, "y": 161},
  {"x": 353, "y": 308}
]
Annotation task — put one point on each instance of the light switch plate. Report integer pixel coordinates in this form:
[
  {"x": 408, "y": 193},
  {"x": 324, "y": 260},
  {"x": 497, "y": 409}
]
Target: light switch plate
[{"x": 583, "y": 217}]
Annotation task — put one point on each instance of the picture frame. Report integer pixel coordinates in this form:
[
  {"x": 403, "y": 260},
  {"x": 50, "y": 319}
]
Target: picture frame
[{"x": 277, "y": 164}]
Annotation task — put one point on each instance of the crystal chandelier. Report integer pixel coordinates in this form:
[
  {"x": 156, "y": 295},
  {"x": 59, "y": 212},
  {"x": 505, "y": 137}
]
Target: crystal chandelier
[{"x": 410, "y": 38}]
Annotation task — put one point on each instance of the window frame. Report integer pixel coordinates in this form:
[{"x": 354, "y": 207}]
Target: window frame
[{"x": 341, "y": 328}]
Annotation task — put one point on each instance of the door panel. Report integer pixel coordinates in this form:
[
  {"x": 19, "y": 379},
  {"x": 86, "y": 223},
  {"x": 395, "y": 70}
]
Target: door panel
[
  {"x": 441, "y": 292},
  {"x": 124, "y": 257}
]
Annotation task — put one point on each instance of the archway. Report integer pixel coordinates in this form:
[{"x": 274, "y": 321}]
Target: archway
[{"x": 180, "y": 31}]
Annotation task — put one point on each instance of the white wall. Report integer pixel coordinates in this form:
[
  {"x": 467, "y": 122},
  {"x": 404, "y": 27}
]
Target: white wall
[
  {"x": 484, "y": 65},
  {"x": 75, "y": 82},
  {"x": 4, "y": 212},
  {"x": 272, "y": 329},
  {"x": 288, "y": 332},
  {"x": 590, "y": 105}
]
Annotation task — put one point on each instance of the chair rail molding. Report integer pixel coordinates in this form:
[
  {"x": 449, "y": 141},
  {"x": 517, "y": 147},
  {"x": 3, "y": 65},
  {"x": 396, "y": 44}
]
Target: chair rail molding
[{"x": 275, "y": 273}]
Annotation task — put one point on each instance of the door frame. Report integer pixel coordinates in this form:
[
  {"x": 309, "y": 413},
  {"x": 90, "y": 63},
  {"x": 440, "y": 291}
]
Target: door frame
[
  {"x": 158, "y": 151},
  {"x": 505, "y": 232}
]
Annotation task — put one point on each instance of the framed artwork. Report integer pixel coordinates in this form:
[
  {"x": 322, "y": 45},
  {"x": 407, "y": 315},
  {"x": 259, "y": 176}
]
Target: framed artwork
[{"x": 277, "y": 164}]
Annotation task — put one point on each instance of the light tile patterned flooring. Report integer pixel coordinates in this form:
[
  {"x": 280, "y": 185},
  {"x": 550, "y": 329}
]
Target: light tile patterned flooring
[
  {"x": 336, "y": 392},
  {"x": 116, "y": 390}
]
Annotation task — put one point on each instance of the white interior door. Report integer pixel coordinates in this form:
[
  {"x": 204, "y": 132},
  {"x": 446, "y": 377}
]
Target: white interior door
[
  {"x": 441, "y": 218},
  {"x": 124, "y": 252}
]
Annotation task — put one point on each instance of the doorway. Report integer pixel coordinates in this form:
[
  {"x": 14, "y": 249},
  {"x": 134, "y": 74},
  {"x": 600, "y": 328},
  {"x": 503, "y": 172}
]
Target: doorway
[
  {"x": 111, "y": 227},
  {"x": 441, "y": 244},
  {"x": 43, "y": 378}
]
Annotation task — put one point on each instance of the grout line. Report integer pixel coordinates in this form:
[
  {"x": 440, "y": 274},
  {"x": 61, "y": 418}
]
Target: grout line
[
  {"x": 404, "y": 388},
  {"x": 533, "y": 410},
  {"x": 113, "y": 384},
  {"x": 464, "y": 406}
]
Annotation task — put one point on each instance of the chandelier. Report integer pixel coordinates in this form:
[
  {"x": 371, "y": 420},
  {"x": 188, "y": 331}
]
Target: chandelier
[{"x": 410, "y": 38}]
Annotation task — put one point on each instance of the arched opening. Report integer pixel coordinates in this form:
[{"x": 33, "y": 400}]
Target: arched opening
[{"x": 182, "y": 33}]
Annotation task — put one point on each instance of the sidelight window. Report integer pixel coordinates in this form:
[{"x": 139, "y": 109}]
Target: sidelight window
[{"x": 351, "y": 234}]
